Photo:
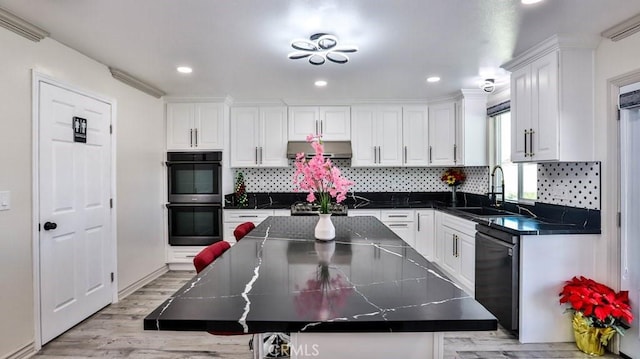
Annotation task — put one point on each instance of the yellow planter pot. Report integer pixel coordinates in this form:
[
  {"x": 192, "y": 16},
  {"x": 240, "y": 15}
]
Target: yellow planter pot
[{"x": 589, "y": 339}]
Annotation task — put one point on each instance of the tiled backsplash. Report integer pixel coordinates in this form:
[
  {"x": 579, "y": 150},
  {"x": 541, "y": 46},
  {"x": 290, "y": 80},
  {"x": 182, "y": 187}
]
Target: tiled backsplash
[
  {"x": 573, "y": 184},
  {"x": 392, "y": 179}
]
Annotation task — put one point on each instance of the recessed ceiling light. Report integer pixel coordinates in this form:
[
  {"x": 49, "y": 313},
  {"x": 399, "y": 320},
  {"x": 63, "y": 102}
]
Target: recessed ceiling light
[
  {"x": 529, "y": 2},
  {"x": 320, "y": 83},
  {"x": 433, "y": 79},
  {"x": 184, "y": 69}
]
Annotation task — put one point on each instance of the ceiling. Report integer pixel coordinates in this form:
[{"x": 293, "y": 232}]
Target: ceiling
[{"x": 239, "y": 48}]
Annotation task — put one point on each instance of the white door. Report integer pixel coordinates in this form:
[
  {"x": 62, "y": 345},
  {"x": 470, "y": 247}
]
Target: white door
[
  {"x": 208, "y": 125},
  {"x": 520, "y": 114},
  {"x": 363, "y": 140},
  {"x": 335, "y": 123},
  {"x": 303, "y": 121},
  {"x": 544, "y": 110},
  {"x": 180, "y": 131},
  {"x": 74, "y": 193},
  {"x": 415, "y": 135},
  {"x": 389, "y": 136},
  {"x": 245, "y": 133},
  {"x": 630, "y": 226}
]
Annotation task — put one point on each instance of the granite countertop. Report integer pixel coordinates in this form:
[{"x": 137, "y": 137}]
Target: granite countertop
[
  {"x": 539, "y": 219},
  {"x": 279, "y": 279}
]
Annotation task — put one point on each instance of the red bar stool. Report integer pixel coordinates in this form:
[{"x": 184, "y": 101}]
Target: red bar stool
[{"x": 243, "y": 229}]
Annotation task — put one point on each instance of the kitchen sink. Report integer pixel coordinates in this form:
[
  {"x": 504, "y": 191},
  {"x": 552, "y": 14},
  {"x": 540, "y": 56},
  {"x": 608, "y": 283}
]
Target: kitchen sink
[{"x": 486, "y": 211}]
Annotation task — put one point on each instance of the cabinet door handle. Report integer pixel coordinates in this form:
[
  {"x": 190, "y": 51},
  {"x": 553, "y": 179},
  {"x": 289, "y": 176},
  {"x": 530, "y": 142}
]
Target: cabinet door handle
[
  {"x": 405, "y": 154},
  {"x": 256, "y": 154},
  {"x": 430, "y": 151},
  {"x": 191, "y": 137},
  {"x": 397, "y": 216},
  {"x": 321, "y": 128},
  {"x": 375, "y": 155},
  {"x": 531, "y": 142},
  {"x": 316, "y": 127},
  {"x": 196, "y": 137},
  {"x": 526, "y": 132},
  {"x": 248, "y": 216},
  {"x": 418, "y": 223},
  {"x": 397, "y": 225},
  {"x": 455, "y": 153},
  {"x": 453, "y": 245},
  {"x": 457, "y": 248},
  {"x": 379, "y": 154},
  {"x": 260, "y": 154}
]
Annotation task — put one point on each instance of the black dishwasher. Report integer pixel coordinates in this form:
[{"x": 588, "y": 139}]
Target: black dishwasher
[{"x": 497, "y": 274}]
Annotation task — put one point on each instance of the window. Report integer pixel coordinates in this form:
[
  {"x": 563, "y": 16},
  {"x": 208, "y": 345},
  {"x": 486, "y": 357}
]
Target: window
[{"x": 520, "y": 179}]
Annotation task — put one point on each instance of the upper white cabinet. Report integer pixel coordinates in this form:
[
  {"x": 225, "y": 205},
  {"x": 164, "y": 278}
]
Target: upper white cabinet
[
  {"x": 471, "y": 129},
  {"x": 332, "y": 122},
  {"x": 259, "y": 136},
  {"x": 415, "y": 135},
  {"x": 552, "y": 101},
  {"x": 377, "y": 136},
  {"x": 442, "y": 134},
  {"x": 195, "y": 126}
]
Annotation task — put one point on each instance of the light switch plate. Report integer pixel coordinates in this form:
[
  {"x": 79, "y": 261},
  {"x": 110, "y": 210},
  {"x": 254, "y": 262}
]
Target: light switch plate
[{"x": 5, "y": 200}]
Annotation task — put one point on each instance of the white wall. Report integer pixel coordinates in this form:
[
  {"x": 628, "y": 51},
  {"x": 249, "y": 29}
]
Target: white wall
[
  {"x": 140, "y": 150},
  {"x": 613, "y": 59}
]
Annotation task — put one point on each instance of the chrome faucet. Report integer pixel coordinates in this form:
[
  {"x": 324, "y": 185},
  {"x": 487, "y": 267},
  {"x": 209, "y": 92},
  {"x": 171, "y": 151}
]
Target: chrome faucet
[{"x": 493, "y": 195}]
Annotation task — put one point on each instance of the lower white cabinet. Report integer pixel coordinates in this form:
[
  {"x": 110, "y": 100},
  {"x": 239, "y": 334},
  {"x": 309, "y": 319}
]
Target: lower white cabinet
[
  {"x": 455, "y": 244},
  {"x": 425, "y": 240},
  {"x": 401, "y": 222},
  {"x": 364, "y": 212}
]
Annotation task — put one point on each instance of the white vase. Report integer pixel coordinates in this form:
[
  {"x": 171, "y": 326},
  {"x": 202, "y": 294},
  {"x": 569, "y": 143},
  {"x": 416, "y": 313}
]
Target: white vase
[{"x": 325, "y": 230}]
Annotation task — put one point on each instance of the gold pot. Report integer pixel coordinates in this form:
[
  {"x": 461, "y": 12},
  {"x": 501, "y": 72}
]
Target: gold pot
[{"x": 590, "y": 340}]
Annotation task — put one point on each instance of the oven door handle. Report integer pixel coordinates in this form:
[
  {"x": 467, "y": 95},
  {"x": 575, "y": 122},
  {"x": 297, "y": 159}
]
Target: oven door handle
[{"x": 177, "y": 205}]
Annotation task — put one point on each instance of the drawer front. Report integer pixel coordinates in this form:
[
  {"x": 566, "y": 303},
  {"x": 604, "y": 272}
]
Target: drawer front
[
  {"x": 364, "y": 212},
  {"x": 256, "y": 216},
  {"x": 183, "y": 254},
  {"x": 397, "y": 215}
]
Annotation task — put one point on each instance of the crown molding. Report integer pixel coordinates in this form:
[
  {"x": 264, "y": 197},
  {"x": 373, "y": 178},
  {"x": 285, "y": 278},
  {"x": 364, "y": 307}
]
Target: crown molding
[
  {"x": 623, "y": 29},
  {"x": 21, "y": 26},
  {"x": 227, "y": 100},
  {"x": 136, "y": 83},
  {"x": 553, "y": 43}
]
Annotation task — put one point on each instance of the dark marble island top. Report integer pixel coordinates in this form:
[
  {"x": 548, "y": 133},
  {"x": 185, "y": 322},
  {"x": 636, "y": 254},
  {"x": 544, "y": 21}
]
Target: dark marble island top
[{"x": 280, "y": 279}]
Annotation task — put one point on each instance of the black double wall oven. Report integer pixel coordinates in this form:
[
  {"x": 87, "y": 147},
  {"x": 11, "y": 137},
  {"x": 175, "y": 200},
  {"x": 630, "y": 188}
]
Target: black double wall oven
[{"x": 195, "y": 198}]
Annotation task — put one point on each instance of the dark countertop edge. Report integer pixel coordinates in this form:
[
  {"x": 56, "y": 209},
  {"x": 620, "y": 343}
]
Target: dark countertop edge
[{"x": 333, "y": 327}]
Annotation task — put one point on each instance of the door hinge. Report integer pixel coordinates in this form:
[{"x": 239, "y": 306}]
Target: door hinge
[
  {"x": 618, "y": 115},
  {"x": 110, "y": 202},
  {"x": 110, "y": 129},
  {"x": 38, "y": 227},
  {"x": 112, "y": 277}
]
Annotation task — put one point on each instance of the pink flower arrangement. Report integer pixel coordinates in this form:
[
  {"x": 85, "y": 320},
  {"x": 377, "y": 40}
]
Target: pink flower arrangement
[{"x": 319, "y": 176}]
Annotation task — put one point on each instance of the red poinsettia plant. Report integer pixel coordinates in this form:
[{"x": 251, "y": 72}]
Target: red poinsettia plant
[
  {"x": 453, "y": 177},
  {"x": 600, "y": 305}
]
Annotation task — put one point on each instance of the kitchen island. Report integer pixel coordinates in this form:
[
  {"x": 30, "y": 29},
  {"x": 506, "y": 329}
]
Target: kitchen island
[{"x": 364, "y": 294}]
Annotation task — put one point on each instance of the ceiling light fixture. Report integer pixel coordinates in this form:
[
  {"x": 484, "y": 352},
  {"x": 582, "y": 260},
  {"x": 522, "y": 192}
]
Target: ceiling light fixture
[
  {"x": 433, "y": 79},
  {"x": 184, "y": 69},
  {"x": 320, "y": 83},
  {"x": 488, "y": 85},
  {"x": 319, "y": 48}
]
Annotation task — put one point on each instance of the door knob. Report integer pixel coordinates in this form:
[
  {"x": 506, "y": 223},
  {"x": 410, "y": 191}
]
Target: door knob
[{"x": 49, "y": 226}]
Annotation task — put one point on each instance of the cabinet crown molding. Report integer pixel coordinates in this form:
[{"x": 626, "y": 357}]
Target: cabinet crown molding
[{"x": 553, "y": 43}]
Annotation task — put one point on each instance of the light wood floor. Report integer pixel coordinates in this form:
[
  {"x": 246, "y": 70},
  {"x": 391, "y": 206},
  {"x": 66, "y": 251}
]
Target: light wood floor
[{"x": 116, "y": 332}]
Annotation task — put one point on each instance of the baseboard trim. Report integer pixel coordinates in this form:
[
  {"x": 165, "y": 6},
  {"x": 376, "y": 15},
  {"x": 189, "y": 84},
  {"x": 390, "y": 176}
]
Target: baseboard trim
[
  {"x": 625, "y": 356},
  {"x": 142, "y": 282},
  {"x": 26, "y": 351}
]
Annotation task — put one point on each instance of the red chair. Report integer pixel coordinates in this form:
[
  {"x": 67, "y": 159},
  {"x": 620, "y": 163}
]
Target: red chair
[
  {"x": 243, "y": 229},
  {"x": 209, "y": 254}
]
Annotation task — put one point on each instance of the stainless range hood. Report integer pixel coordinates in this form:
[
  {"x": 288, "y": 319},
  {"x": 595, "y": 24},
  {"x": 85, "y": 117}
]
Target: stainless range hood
[{"x": 332, "y": 149}]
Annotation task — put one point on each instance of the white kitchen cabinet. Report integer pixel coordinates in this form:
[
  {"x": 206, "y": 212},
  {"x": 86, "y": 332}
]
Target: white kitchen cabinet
[
  {"x": 425, "y": 233},
  {"x": 259, "y": 137},
  {"x": 377, "y": 136},
  {"x": 415, "y": 136},
  {"x": 332, "y": 122},
  {"x": 231, "y": 218},
  {"x": 456, "y": 238},
  {"x": 552, "y": 94},
  {"x": 471, "y": 129},
  {"x": 364, "y": 212},
  {"x": 442, "y": 134},
  {"x": 195, "y": 126},
  {"x": 401, "y": 222}
]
